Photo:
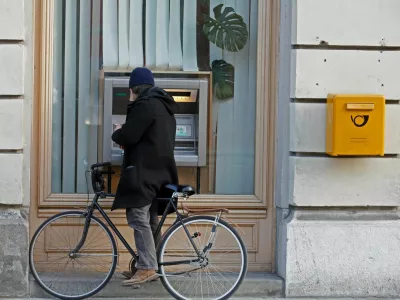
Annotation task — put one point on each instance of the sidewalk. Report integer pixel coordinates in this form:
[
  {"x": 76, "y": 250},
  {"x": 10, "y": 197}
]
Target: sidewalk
[
  {"x": 254, "y": 286},
  {"x": 257, "y": 286},
  {"x": 234, "y": 298}
]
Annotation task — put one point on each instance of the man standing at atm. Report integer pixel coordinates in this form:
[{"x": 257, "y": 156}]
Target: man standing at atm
[{"x": 148, "y": 140}]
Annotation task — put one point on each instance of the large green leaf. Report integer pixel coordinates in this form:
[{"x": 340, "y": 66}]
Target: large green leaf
[
  {"x": 228, "y": 30},
  {"x": 223, "y": 79}
]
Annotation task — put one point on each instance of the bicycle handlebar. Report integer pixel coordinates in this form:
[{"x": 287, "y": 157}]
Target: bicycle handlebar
[{"x": 103, "y": 164}]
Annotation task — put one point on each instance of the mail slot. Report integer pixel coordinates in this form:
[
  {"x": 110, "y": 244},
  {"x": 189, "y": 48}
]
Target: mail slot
[
  {"x": 355, "y": 125},
  {"x": 191, "y": 122}
]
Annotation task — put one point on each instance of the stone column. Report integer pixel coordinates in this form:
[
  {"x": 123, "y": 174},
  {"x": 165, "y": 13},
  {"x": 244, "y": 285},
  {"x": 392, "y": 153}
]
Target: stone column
[{"x": 16, "y": 63}]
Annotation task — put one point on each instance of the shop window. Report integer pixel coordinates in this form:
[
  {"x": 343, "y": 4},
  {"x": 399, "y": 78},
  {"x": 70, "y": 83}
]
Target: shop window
[{"x": 166, "y": 35}]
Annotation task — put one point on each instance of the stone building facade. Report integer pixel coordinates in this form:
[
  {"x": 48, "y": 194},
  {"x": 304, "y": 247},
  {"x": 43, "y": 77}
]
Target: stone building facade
[
  {"x": 16, "y": 93},
  {"x": 336, "y": 219}
]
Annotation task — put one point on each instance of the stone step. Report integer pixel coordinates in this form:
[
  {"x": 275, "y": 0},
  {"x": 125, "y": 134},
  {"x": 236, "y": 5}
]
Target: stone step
[{"x": 256, "y": 284}]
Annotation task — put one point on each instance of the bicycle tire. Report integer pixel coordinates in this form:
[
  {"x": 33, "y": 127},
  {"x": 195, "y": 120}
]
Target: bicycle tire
[
  {"x": 40, "y": 282},
  {"x": 175, "y": 227}
]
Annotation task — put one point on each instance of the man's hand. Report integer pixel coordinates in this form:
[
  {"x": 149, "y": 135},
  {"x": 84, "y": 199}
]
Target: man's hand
[{"x": 118, "y": 126}]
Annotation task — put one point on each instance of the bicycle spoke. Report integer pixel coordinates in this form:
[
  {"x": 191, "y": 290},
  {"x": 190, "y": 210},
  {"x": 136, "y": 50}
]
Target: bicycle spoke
[
  {"x": 92, "y": 238},
  {"x": 65, "y": 266},
  {"x": 212, "y": 280},
  {"x": 221, "y": 276},
  {"x": 201, "y": 285},
  {"x": 81, "y": 275},
  {"x": 209, "y": 279},
  {"x": 61, "y": 237}
]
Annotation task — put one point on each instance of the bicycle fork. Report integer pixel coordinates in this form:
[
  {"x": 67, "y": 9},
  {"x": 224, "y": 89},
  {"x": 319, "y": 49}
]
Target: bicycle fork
[{"x": 78, "y": 247}]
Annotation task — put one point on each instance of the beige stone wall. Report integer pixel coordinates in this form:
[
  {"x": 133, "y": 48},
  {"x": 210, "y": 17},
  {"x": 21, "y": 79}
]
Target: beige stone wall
[
  {"x": 16, "y": 61},
  {"x": 12, "y": 53},
  {"x": 337, "y": 223},
  {"x": 343, "y": 47}
]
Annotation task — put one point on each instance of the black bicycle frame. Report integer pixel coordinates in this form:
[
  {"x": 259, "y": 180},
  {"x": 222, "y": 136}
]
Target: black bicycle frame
[{"x": 95, "y": 205}]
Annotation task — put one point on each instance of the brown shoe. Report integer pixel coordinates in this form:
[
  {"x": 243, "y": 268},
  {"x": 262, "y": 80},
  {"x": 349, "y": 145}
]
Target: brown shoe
[
  {"x": 129, "y": 275},
  {"x": 140, "y": 277}
]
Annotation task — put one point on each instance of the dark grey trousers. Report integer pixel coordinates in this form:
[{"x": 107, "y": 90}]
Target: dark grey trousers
[{"x": 144, "y": 224}]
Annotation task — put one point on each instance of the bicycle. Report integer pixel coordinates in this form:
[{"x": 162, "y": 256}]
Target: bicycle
[{"x": 185, "y": 254}]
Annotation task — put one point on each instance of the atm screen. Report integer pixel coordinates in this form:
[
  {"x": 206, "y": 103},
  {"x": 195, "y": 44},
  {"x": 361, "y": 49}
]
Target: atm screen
[
  {"x": 183, "y": 131},
  {"x": 120, "y": 100}
]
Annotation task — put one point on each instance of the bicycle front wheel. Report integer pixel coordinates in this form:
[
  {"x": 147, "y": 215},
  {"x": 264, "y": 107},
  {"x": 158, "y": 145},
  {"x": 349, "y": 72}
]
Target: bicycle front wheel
[
  {"x": 61, "y": 271},
  {"x": 216, "y": 272}
]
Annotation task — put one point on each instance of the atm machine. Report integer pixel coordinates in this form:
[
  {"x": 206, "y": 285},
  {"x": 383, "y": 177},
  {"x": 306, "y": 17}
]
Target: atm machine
[{"x": 191, "y": 122}]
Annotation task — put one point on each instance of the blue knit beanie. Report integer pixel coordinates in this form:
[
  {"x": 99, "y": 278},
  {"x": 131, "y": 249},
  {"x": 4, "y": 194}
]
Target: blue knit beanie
[{"x": 141, "y": 76}]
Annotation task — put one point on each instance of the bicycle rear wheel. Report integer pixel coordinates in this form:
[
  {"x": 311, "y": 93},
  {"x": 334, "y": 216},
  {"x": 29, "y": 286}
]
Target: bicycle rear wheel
[
  {"x": 63, "y": 273},
  {"x": 217, "y": 275}
]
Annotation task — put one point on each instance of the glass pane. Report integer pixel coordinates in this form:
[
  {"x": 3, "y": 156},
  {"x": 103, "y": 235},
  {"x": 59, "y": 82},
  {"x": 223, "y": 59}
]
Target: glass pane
[{"x": 163, "y": 35}]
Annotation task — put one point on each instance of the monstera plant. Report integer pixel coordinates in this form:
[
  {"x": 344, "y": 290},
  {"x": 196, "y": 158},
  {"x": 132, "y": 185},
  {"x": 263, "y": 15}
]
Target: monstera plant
[
  {"x": 228, "y": 31},
  {"x": 223, "y": 79}
]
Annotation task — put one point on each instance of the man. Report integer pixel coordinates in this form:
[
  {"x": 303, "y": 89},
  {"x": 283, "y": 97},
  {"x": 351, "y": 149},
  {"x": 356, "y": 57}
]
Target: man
[{"x": 148, "y": 140}]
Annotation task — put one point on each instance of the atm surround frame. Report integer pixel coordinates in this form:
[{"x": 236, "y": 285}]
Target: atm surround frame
[{"x": 177, "y": 83}]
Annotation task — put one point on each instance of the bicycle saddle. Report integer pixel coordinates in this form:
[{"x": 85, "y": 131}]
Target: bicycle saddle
[{"x": 189, "y": 190}]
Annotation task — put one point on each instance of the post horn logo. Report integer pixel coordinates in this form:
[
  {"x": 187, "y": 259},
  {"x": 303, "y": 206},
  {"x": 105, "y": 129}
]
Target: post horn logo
[{"x": 360, "y": 121}]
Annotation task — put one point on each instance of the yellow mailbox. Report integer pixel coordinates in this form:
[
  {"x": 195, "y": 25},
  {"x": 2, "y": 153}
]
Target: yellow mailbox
[{"x": 355, "y": 125}]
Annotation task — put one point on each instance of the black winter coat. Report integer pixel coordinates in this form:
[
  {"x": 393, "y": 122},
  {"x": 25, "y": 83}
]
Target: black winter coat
[{"x": 148, "y": 139}]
